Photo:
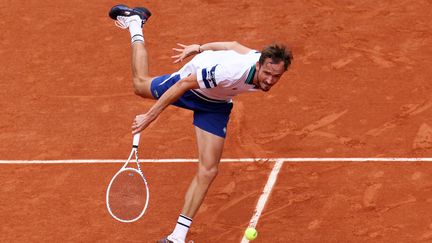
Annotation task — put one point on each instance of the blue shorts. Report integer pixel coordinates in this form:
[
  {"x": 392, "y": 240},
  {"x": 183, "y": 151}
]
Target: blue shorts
[{"x": 210, "y": 115}]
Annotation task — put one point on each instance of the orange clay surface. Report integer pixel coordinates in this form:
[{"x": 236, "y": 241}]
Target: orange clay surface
[{"x": 360, "y": 86}]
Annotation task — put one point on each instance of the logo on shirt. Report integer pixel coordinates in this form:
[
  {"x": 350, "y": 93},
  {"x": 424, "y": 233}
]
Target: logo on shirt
[{"x": 209, "y": 77}]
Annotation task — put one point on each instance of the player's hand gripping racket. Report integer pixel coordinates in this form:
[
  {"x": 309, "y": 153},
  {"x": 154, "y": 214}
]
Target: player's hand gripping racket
[{"x": 128, "y": 195}]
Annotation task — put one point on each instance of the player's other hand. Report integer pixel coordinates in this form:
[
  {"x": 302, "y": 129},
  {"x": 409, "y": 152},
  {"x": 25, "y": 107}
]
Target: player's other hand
[
  {"x": 141, "y": 122},
  {"x": 184, "y": 51}
]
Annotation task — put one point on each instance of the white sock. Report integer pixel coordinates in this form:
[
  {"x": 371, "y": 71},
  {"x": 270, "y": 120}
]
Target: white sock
[
  {"x": 182, "y": 227},
  {"x": 136, "y": 32}
]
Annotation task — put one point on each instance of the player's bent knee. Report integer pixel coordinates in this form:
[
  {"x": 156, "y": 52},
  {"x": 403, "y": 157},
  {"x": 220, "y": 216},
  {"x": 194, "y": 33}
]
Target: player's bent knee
[
  {"x": 142, "y": 87},
  {"x": 138, "y": 90}
]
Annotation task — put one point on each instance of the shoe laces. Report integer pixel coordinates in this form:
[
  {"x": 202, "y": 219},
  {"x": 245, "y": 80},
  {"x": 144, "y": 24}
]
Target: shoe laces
[
  {"x": 120, "y": 24},
  {"x": 123, "y": 22}
]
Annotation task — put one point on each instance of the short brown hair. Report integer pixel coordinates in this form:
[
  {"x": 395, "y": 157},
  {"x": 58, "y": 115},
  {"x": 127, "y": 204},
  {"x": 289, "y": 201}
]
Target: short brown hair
[{"x": 278, "y": 53}]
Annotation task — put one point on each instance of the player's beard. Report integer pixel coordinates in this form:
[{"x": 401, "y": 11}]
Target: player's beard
[
  {"x": 260, "y": 84},
  {"x": 263, "y": 86}
]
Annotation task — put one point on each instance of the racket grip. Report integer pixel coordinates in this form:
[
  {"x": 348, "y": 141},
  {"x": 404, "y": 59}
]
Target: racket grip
[{"x": 136, "y": 140}]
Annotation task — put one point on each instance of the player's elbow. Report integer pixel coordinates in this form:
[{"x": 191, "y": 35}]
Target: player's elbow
[
  {"x": 184, "y": 85},
  {"x": 232, "y": 45},
  {"x": 188, "y": 83}
]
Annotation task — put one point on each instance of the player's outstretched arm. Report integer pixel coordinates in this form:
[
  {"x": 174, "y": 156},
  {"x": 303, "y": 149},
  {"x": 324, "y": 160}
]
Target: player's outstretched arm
[
  {"x": 185, "y": 51},
  {"x": 170, "y": 96}
]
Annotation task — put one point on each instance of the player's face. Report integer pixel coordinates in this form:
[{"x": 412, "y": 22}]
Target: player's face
[{"x": 268, "y": 74}]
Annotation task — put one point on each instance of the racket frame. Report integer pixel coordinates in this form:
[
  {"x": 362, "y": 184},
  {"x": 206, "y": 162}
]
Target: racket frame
[{"x": 124, "y": 168}]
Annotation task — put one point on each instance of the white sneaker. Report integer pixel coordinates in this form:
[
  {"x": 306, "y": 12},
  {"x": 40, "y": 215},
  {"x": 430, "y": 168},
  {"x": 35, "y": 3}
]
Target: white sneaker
[
  {"x": 175, "y": 240},
  {"x": 125, "y": 11}
]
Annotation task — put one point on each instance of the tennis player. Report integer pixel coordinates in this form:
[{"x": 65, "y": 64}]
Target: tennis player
[{"x": 206, "y": 85}]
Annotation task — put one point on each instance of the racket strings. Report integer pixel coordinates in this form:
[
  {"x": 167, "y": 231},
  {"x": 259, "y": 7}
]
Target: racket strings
[{"x": 127, "y": 195}]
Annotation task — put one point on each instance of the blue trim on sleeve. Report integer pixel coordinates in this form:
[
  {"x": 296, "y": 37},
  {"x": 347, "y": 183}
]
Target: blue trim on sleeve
[{"x": 204, "y": 77}]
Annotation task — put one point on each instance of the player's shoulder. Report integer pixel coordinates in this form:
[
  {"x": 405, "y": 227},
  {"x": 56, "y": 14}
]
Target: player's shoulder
[
  {"x": 254, "y": 53},
  {"x": 234, "y": 70},
  {"x": 246, "y": 59}
]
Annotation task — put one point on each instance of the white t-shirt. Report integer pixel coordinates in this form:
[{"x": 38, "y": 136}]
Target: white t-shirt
[{"x": 222, "y": 74}]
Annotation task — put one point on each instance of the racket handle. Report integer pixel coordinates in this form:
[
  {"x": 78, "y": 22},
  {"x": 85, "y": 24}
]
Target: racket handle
[{"x": 136, "y": 140}]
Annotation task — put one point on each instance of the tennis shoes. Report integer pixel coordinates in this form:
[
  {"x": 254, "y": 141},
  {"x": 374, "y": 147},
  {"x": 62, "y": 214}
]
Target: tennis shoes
[
  {"x": 123, "y": 15},
  {"x": 171, "y": 239},
  {"x": 165, "y": 240}
]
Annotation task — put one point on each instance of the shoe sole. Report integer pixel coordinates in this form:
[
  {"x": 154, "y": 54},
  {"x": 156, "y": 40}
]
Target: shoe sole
[
  {"x": 164, "y": 240},
  {"x": 123, "y": 10},
  {"x": 145, "y": 12}
]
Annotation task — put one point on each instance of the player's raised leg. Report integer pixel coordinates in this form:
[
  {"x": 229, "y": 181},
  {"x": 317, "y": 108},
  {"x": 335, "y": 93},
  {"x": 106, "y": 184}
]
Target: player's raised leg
[
  {"x": 141, "y": 78},
  {"x": 210, "y": 149},
  {"x": 134, "y": 19}
]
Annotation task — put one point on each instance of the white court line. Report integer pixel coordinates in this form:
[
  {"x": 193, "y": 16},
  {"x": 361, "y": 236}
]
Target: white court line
[
  {"x": 108, "y": 161},
  {"x": 91, "y": 161},
  {"x": 264, "y": 196},
  {"x": 270, "y": 182}
]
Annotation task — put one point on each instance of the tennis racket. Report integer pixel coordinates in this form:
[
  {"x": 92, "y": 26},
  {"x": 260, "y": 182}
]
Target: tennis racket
[{"x": 127, "y": 195}]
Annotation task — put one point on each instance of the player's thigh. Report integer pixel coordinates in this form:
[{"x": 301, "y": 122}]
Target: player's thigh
[{"x": 210, "y": 148}]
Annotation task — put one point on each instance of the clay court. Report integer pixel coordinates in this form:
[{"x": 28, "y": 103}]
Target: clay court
[{"x": 359, "y": 87}]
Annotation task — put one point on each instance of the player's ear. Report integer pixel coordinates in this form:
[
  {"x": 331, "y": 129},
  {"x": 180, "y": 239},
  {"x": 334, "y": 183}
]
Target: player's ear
[{"x": 257, "y": 65}]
